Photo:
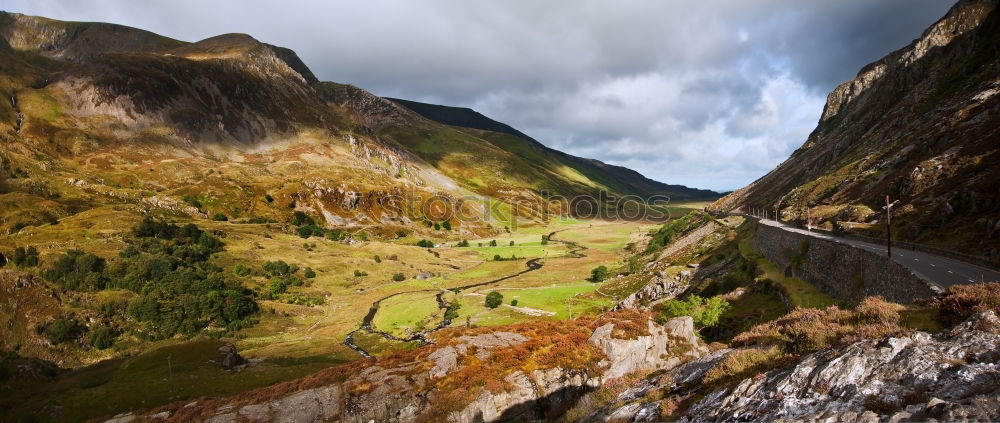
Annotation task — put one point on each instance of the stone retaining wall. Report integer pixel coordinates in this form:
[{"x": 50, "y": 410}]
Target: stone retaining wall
[{"x": 844, "y": 272}]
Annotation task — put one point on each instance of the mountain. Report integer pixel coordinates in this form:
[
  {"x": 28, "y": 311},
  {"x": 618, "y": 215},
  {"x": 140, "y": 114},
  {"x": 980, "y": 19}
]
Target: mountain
[
  {"x": 624, "y": 179},
  {"x": 141, "y": 117},
  {"x": 922, "y": 126}
]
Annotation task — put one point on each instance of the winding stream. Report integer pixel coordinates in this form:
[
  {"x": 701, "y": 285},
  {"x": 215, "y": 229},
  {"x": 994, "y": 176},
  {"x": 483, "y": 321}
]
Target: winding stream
[{"x": 575, "y": 251}]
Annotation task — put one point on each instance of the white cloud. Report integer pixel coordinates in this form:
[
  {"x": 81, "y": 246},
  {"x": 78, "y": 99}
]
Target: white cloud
[{"x": 707, "y": 93}]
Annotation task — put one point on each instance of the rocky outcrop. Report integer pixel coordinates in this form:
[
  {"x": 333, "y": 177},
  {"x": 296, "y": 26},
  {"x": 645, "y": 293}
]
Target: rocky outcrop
[
  {"x": 405, "y": 392},
  {"x": 951, "y": 376},
  {"x": 659, "y": 286},
  {"x": 229, "y": 359},
  {"x": 665, "y": 347}
]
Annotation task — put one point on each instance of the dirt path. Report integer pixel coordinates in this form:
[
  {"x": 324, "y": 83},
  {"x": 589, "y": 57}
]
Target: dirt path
[{"x": 575, "y": 251}]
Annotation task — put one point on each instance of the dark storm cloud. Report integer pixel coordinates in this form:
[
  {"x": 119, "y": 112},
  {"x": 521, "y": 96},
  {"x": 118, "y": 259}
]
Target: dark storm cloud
[{"x": 704, "y": 93}]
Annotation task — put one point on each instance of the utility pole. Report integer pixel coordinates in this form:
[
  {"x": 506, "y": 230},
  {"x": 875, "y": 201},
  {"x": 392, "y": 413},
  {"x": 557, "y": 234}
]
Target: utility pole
[{"x": 888, "y": 225}]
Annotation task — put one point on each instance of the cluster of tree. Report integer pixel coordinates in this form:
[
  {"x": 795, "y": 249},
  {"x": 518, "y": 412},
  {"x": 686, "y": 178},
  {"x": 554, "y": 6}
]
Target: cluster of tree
[
  {"x": 451, "y": 313},
  {"x": 497, "y": 257},
  {"x": 24, "y": 257},
  {"x": 398, "y": 277},
  {"x": 599, "y": 273},
  {"x": 444, "y": 224},
  {"x": 494, "y": 299},
  {"x": 282, "y": 276},
  {"x": 180, "y": 291},
  {"x": 425, "y": 243},
  {"x": 704, "y": 311}
]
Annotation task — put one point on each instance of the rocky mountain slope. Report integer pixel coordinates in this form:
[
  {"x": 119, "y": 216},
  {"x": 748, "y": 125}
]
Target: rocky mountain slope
[
  {"x": 919, "y": 125},
  {"x": 114, "y": 107}
]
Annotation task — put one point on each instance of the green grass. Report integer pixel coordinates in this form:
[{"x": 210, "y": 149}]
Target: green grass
[
  {"x": 171, "y": 373},
  {"x": 407, "y": 311},
  {"x": 800, "y": 292}
]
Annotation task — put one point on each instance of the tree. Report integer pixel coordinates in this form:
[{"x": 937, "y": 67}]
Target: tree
[
  {"x": 512, "y": 243},
  {"x": 241, "y": 270},
  {"x": 62, "y": 330},
  {"x": 463, "y": 243},
  {"x": 398, "y": 277},
  {"x": 309, "y": 273},
  {"x": 437, "y": 226},
  {"x": 219, "y": 217},
  {"x": 493, "y": 243},
  {"x": 425, "y": 243},
  {"x": 358, "y": 273},
  {"x": 102, "y": 338},
  {"x": 494, "y": 299},
  {"x": 513, "y": 302},
  {"x": 446, "y": 225},
  {"x": 496, "y": 257},
  {"x": 599, "y": 273},
  {"x": 378, "y": 259},
  {"x": 705, "y": 312},
  {"x": 545, "y": 239},
  {"x": 451, "y": 313}
]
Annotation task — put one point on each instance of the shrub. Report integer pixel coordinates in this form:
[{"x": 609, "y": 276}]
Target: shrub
[
  {"x": 268, "y": 199},
  {"x": 599, "y": 273},
  {"x": 961, "y": 301},
  {"x": 451, "y": 313},
  {"x": 219, "y": 217},
  {"x": 704, "y": 311},
  {"x": 513, "y": 302},
  {"x": 494, "y": 299},
  {"x": 437, "y": 226},
  {"x": 398, "y": 277},
  {"x": 378, "y": 259},
  {"x": 425, "y": 243},
  {"x": 512, "y": 243},
  {"x": 493, "y": 243},
  {"x": 241, "y": 270},
  {"x": 446, "y": 225},
  {"x": 62, "y": 329},
  {"x": 302, "y": 219},
  {"x": 78, "y": 270},
  {"x": 25, "y": 257},
  {"x": 358, "y": 273},
  {"x": 545, "y": 239},
  {"x": 463, "y": 243},
  {"x": 496, "y": 257},
  {"x": 102, "y": 338},
  {"x": 277, "y": 268},
  {"x": 309, "y": 273}
]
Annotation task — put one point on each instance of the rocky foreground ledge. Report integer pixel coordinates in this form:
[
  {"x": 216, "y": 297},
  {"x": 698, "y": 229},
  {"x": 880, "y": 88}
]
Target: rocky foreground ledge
[
  {"x": 432, "y": 383},
  {"x": 951, "y": 376}
]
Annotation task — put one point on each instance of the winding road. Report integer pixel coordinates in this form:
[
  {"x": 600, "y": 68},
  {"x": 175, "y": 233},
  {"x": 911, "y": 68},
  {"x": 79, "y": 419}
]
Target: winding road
[
  {"x": 575, "y": 251},
  {"x": 942, "y": 271}
]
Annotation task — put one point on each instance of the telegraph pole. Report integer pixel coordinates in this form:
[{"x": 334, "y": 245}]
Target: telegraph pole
[{"x": 888, "y": 225}]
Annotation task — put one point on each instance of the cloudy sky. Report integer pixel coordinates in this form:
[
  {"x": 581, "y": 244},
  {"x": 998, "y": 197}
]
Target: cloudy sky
[{"x": 705, "y": 93}]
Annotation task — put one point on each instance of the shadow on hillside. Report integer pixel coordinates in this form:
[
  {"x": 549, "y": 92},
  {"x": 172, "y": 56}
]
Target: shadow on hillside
[{"x": 546, "y": 408}]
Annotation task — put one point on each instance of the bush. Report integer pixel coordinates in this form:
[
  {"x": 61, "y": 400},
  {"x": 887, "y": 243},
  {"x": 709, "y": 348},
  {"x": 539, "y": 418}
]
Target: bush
[
  {"x": 446, "y": 225},
  {"x": 425, "y": 243},
  {"x": 78, "y": 270},
  {"x": 451, "y": 313},
  {"x": 358, "y": 273},
  {"x": 599, "y": 273},
  {"x": 494, "y": 299},
  {"x": 25, "y": 257},
  {"x": 545, "y": 239},
  {"x": 62, "y": 329},
  {"x": 378, "y": 259},
  {"x": 398, "y": 277},
  {"x": 704, "y": 311},
  {"x": 512, "y": 243},
  {"x": 241, "y": 270},
  {"x": 961, "y": 301},
  {"x": 219, "y": 217},
  {"x": 513, "y": 302},
  {"x": 268, "y": 199},
  {"x": 496, "y": 257},
  {"x": 493, "y": 243},
  {"x": 463, "y": 243},
  {"x": 302, "y": 219},
  {"x": 102, "y": 338},
  {"x": 309, "y": 273}
]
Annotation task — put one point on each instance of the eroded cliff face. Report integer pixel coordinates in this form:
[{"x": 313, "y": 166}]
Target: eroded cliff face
[
  {"x": 951, "y": 376},
  {"x": 412, "y": 389},
  {"x": 920, "y": 125}
]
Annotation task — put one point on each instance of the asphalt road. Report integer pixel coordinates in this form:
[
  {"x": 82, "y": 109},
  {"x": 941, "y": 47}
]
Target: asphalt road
[{"x": 943, "y": 271}]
